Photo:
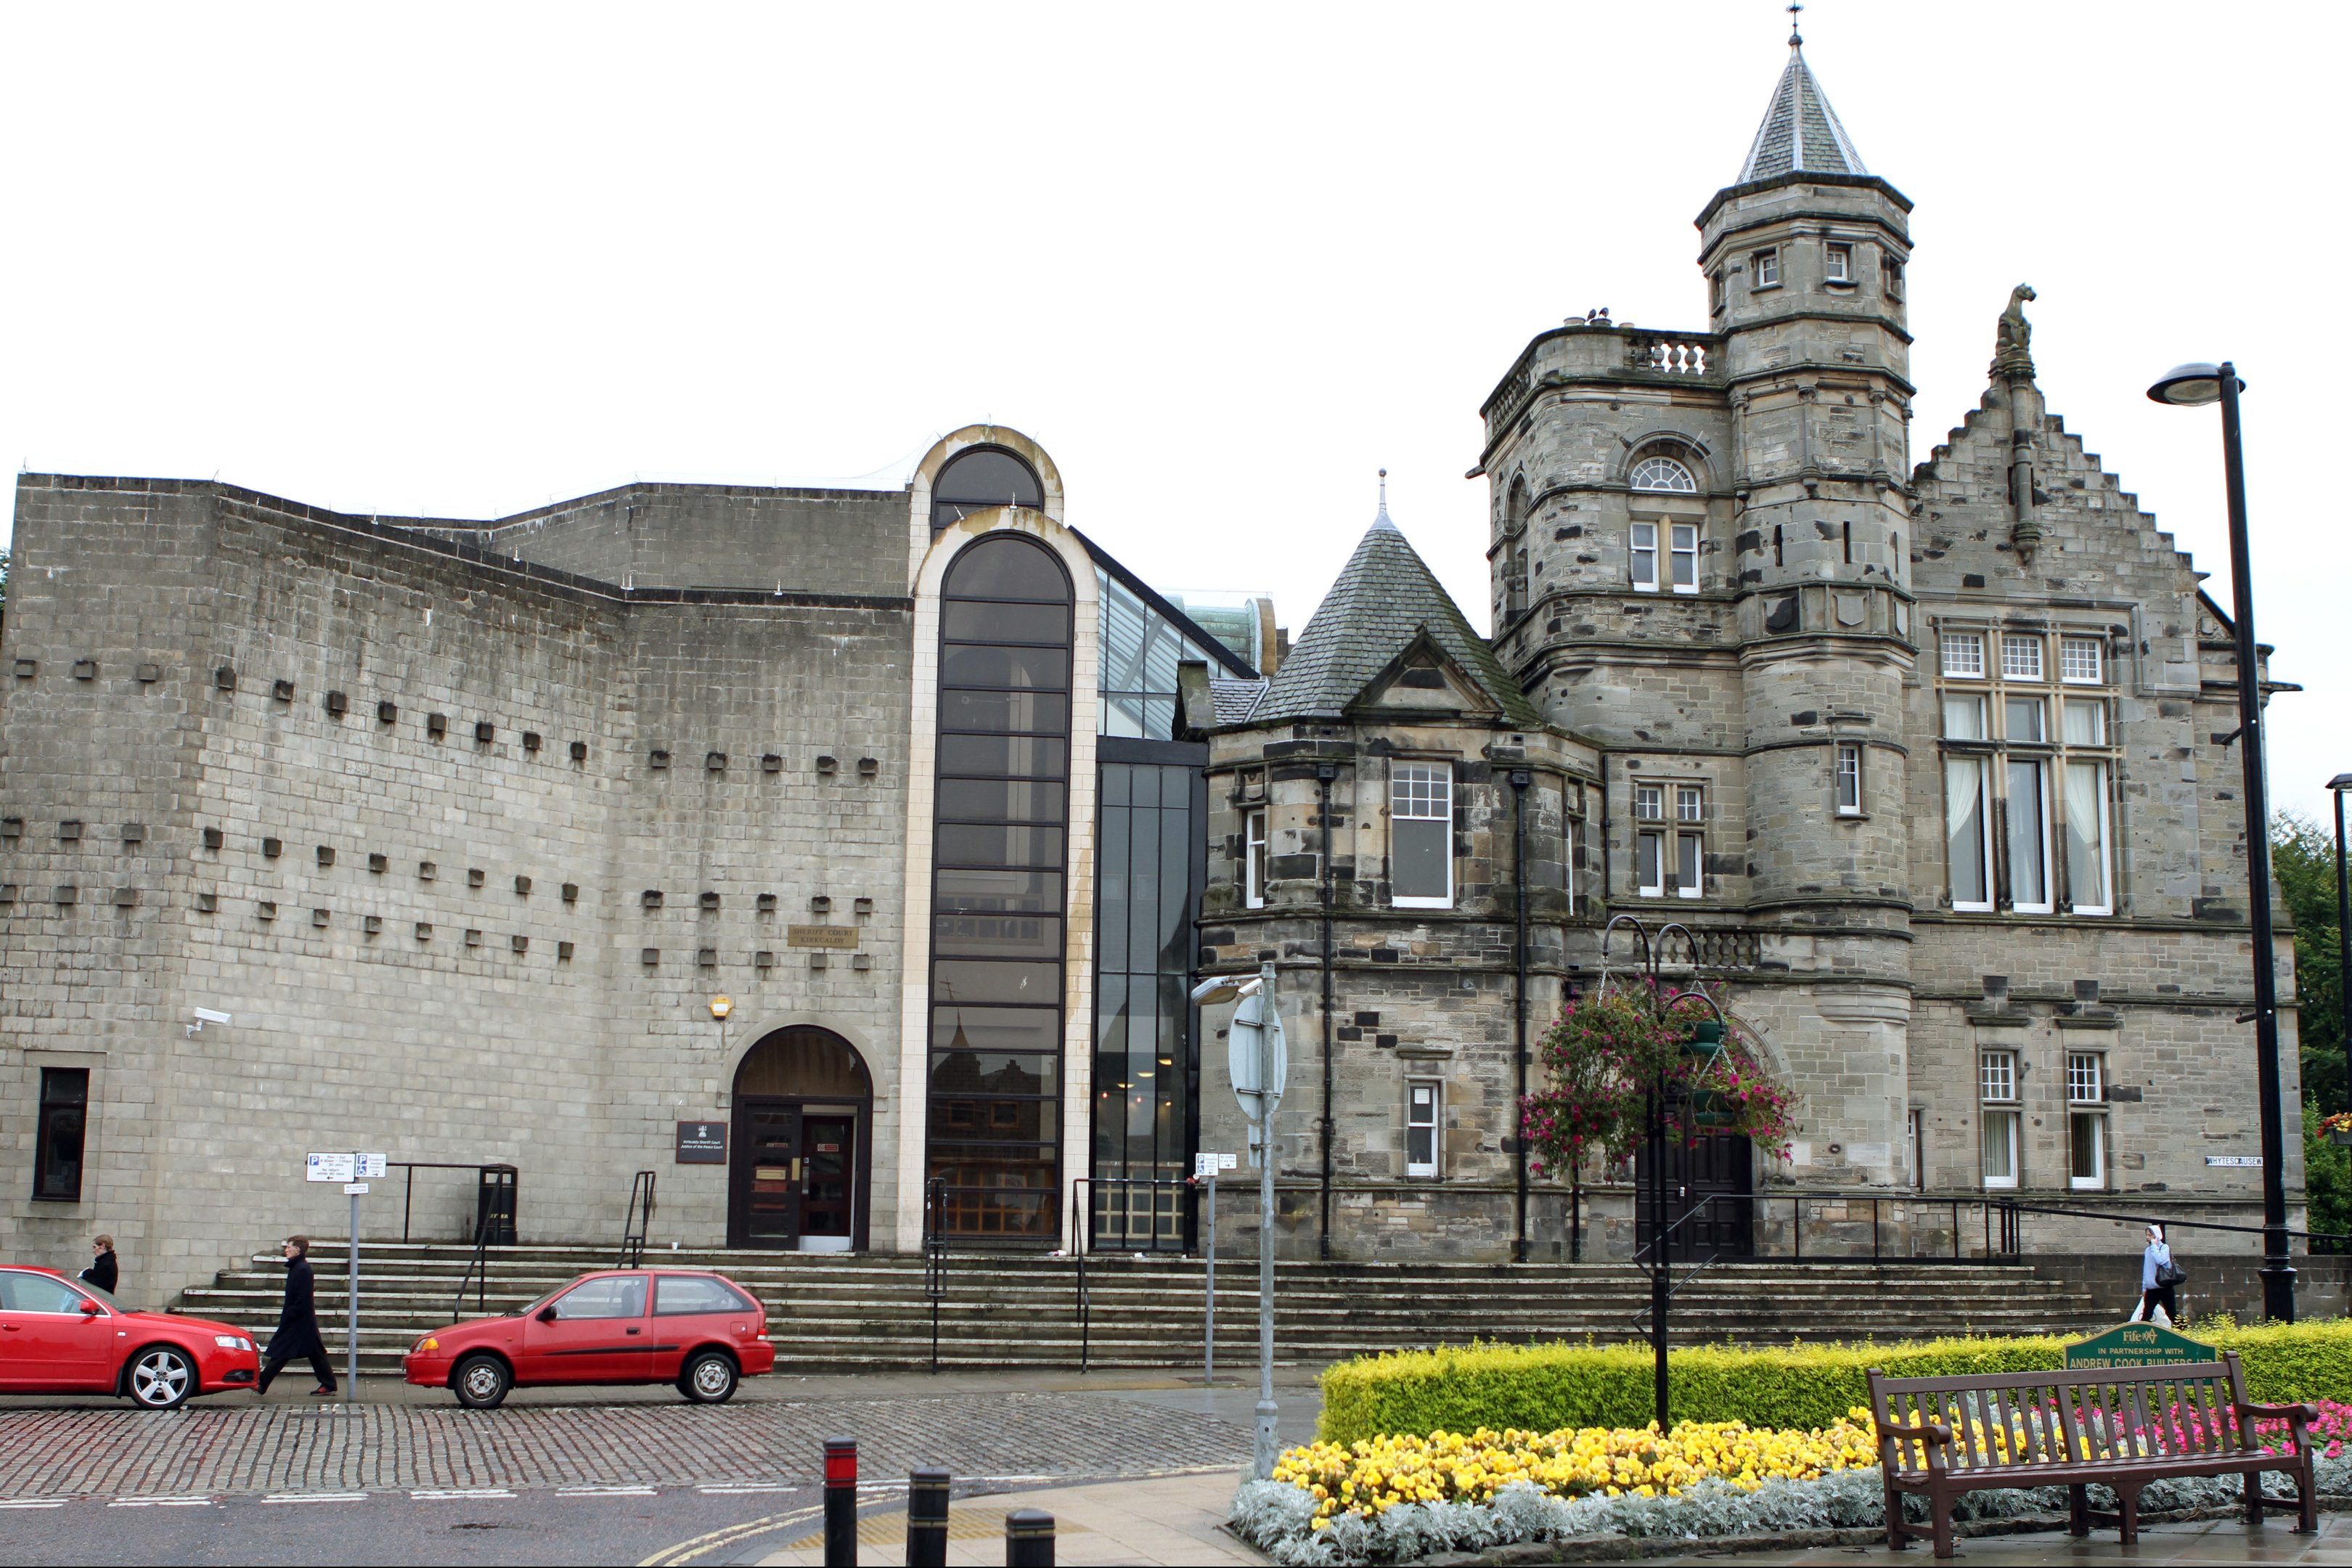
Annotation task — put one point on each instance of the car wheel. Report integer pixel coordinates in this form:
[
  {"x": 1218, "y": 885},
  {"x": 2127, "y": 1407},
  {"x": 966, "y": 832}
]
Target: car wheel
[
  {"x": 481, "y": 1382},
  {"x": 709, "y": 1379},
  {"x": 161, "y": 1377}
]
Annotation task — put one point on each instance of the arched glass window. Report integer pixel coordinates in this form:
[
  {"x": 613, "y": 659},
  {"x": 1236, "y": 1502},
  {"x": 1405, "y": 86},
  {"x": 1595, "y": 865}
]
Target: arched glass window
[
  {"x": 997, "y": 891},
  {"x": 1662, "y": 473},
  {"x": 979, "y": 477},
  {"x": 1515, "y": 509}
]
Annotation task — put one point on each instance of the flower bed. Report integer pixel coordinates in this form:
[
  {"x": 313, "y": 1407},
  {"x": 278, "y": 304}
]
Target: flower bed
[
  {"x": 1545, "y": 1387},
  {"x": 1396, "y": 1498},
  {"x": 1372, "y": 1476}
]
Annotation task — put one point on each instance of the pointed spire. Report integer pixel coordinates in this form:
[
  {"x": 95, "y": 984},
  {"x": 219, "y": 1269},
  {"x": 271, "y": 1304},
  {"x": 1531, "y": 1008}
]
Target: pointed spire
[
  {"x": 1800, "y": 132},
  {"x": 1386, "y": 596}
]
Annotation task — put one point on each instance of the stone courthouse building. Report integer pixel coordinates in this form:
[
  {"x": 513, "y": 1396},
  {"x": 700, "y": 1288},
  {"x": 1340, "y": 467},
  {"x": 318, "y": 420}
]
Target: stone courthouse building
[
  {"x": 844, "y": 855},
  {"x": 1924, "y": 758}
]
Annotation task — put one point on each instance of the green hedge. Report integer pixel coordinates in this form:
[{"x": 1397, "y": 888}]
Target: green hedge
[{"x": 1543, "y": 1387}]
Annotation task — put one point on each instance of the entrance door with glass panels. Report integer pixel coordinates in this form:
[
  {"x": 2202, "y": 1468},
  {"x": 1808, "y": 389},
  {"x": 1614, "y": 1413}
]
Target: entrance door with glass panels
[
  {"x": 767, "y": 1176},
  {"x": 828, "y": 1145}
]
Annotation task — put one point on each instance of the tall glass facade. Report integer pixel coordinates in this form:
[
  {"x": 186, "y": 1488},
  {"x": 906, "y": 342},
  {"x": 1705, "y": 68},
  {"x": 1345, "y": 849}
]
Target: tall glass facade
[
  {"x": 999, "y": 890},
  {"x": 1146, "y": 1073}
]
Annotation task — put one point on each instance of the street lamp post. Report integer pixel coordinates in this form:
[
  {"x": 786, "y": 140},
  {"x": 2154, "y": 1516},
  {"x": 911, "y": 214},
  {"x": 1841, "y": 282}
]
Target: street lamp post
[
  {"x": 2337, "y": 786},
  {"x": 2195, "y": 384}
]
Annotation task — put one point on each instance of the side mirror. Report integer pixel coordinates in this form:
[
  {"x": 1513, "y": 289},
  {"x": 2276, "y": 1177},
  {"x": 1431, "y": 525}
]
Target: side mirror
[
  {"x": 89, "y": 1309},
  {"x": 547, "y": 1314}
]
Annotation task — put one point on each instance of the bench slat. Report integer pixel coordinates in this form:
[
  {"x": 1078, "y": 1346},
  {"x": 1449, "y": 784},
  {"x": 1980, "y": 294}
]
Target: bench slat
[{"x": 2069, "y": 1425}]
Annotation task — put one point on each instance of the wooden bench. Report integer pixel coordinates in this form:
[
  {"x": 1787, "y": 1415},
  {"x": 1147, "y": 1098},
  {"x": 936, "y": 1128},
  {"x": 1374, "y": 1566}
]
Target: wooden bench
[{"x": 2122, "y": 1426}]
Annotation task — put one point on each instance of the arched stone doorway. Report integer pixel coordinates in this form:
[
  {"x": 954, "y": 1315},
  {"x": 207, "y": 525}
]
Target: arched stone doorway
[{"x": 803, "y": 1161}]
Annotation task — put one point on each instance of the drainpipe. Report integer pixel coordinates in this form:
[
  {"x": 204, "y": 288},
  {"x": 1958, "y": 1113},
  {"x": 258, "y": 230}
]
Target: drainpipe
[
  {"x": 1520, "y": 779},
  {"x": 1324, "y": 773}
]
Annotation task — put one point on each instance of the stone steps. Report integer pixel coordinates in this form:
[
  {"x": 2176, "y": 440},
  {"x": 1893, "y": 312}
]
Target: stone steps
[{"x": 838, "y": 1312}]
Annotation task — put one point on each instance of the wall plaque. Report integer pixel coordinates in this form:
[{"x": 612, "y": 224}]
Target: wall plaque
[
  {"x": 702, "y": 1142},
  {"x": 821, "y": 936}
]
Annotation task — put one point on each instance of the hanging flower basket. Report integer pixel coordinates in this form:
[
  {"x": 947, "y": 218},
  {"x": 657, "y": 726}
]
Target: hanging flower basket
[{"x": 2337, "y": 1128}]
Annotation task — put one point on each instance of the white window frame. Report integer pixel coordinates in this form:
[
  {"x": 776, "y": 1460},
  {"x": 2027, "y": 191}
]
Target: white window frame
[
  {"x": 2095, "y": 705},
  {"x": 1434, "y": 1123},
  {"x": 2048, "y": 902},
  {"x": 1914, "y": 1129},
  {"x": 1654, "y": 846},
  {"x": 1983, "y": 764},
  {"x": 1690, "y": 807},
  {"x": 2022, "y": 655},
  {"x": 1970, "y": 645},
  {"x": 2086, "y": 1100},
  {"x": 1998, "y": 1103},
  {"x": 2107, "y": 838},
  {"x": 1679, "y": 552},
  {"x": 1641, "y": 557},
  {"x": 1837, "y": 262},
  {"x": 2097, "y": 649},
  {"x": 1403, "y": 774},
  {"x": 1848, "y": 774},
  {"x": 1254, "y": 858},
  {"x": 2041, "y": 706},
  {"x": 1765, "y": 263}
]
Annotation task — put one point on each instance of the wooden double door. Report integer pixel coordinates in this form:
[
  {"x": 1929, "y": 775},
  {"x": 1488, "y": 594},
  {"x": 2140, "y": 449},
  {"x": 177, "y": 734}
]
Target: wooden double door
[
  {"x": 1708, "y": 1187},
  {"x": 796, "y": 1175}
]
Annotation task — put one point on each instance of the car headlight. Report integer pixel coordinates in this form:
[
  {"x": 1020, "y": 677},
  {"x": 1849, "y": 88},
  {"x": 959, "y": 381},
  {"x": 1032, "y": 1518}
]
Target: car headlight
[{"x": 232, "y": 1343}]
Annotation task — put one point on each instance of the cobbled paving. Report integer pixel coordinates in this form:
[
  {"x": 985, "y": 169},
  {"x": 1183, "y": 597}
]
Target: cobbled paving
[{"x": 201, "y": 1450}]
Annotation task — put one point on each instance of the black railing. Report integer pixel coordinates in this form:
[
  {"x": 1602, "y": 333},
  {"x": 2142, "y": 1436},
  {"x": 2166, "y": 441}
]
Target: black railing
[
  {"x": 1084, "y": 1309},
  {"x": 935, "y": 1255},
  {"x": 478, "y": 1269},
  {"x": 495, "y": 1195},
  {"x": 1999, "y": 1238},
  {"x": 1167, "y": 1212},
  {"x": 637, "y": 1222}
]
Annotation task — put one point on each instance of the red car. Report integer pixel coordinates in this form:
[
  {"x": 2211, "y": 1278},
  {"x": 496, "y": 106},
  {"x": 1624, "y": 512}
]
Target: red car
[
  {"x": 701, "y": 1331},
  {"x": 64, "y": 1336}
]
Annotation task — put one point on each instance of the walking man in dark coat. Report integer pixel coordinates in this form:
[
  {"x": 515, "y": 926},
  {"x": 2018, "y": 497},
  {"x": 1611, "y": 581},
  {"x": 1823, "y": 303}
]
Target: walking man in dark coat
[
  {"x": 298, "y": 1325},
  {"x": 102, "y": 1271}
]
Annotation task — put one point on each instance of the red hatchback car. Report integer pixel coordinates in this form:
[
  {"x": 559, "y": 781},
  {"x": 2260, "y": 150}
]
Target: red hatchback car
[
  {"x": 701, "y": 1331},
  {"x": 63, "y": 1336}
]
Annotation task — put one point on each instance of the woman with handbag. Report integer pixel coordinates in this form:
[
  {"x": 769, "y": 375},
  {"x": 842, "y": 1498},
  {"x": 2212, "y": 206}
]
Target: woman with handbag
[{"x": 2158, "y": 1275}]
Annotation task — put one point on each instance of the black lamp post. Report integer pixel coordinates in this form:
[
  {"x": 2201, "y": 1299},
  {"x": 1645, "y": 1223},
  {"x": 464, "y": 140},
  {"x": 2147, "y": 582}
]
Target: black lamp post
[
  {"x": 2337, "y": 786},
  {"x": 2195, "y": 384}
]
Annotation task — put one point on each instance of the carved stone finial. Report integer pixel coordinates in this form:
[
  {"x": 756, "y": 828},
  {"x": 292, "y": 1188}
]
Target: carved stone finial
[{"x": 2012, "y": 357}]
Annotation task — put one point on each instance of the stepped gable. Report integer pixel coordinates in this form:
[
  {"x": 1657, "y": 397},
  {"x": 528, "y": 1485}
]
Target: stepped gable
[
  {"x": 1965, "y": 510},
  {"x": 1800, "y": 133},
  {"x": 1385, "y": 598}
]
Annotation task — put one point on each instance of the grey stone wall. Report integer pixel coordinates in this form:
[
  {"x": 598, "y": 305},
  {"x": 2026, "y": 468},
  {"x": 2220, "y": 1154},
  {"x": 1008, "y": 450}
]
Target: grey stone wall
[{"x": 479, "y": 992}]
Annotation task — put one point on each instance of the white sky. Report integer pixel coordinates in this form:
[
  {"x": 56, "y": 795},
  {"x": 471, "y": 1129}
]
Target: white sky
[{"x": 1224, "y": 261}]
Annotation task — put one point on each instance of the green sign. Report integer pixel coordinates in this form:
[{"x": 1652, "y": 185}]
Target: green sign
[{"x": 2137, "y": 1344}]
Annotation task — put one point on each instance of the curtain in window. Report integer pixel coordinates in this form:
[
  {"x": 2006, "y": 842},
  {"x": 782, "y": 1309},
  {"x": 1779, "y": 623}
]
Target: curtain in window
[
  {"x": 1963, "y": 828},
  {"x": 2086, "y": 849},
  {"x": 2029, "y": 875}
]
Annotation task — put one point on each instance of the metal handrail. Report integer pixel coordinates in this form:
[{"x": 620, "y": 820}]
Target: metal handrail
[
  {"x": 408, "y": 1191},
  {"x": 935, "y": 1255},
  {"x": 1078, "y": 1250},
  {"x": 478, "y": 1269},
  {"x": 637, "y": 1222}
]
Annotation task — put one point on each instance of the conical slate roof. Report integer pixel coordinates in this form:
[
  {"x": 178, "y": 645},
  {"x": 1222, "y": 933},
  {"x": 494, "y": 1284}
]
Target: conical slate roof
[
  {"x": 1800, "y": 133},
  {"x": 1384, "y": 596}
]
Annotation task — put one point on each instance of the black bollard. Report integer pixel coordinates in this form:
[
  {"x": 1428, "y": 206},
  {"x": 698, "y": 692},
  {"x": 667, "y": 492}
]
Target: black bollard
[
  {"x": 1029, "y": 1538},
  {"x": 841, "y": 1502},
  {"x": 926, "y": 1518}
]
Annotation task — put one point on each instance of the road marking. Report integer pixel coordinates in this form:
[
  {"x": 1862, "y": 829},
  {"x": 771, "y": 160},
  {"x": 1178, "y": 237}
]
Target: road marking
[
  {"x": 316, "y": 1496},
  {"x": 603, "y": 1491},
  {"x": 745, "y": 1490},
  {"x": 701, "y": 1546},
  {"x": 461, "y": 1494},
  {"x": 160, "y": 1502},
  {"x": 32, "y": 1502}
]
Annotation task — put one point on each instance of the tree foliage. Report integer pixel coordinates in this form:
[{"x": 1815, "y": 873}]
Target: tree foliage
[{"x": 2303, "y": 859}]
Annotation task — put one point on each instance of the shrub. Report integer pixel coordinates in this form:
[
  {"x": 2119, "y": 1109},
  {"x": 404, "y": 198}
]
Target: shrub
[{"x": 1544, "y": 1387}]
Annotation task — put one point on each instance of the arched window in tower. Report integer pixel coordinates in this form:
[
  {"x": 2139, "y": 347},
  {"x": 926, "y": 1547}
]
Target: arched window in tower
[
  {"x": 979, "y": 477},
  {"x": 1663, "y": 474}
]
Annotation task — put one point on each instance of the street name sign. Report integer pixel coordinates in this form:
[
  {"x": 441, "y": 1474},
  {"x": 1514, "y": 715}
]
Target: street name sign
[{"x": 2137, "y": 1344}]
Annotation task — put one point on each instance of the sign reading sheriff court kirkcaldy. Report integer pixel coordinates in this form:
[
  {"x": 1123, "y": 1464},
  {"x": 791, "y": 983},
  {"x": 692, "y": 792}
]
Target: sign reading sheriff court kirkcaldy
[{"x": 2137, "y": 1344}]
